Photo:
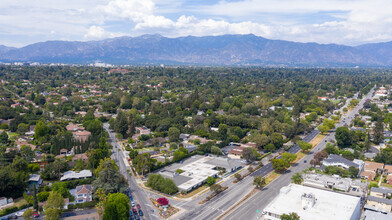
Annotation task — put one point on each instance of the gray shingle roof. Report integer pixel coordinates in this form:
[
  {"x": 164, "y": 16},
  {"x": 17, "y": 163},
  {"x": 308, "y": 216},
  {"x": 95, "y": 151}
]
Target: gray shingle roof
[
  {"x": 380, "y": 200},
  {"x": 333, "y": 158},
  {"x": 380, "y": 190}
]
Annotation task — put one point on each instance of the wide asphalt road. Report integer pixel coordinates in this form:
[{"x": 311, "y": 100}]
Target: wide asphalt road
[{"x": 252, "y": 208}]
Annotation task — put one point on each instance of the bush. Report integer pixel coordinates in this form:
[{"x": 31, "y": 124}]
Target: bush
[
  {"x": 43, "y": 196},
  {"x": 90, "y": 204},
  {"x": 165, "y": 185},
  {"x": 210, "y": 180}
]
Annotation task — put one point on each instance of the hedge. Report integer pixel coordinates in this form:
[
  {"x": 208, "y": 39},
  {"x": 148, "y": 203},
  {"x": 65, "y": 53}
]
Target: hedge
[{"x": 82, "y": 205}]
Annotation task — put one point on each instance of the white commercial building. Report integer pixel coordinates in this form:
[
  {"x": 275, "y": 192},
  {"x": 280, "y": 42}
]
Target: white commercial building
[{"x": 311, "y": 203}]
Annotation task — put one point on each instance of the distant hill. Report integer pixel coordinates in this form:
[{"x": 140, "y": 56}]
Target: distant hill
[{"x": 210, "y": 50}]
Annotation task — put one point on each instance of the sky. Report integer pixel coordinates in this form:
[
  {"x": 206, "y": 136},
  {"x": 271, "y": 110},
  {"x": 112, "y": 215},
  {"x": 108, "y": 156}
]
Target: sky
[{"x": 348, "y": 22}]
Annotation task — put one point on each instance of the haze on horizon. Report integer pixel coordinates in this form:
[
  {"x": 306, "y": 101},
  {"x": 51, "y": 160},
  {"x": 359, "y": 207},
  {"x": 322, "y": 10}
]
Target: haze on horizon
[{"x": 348, "y": 22}]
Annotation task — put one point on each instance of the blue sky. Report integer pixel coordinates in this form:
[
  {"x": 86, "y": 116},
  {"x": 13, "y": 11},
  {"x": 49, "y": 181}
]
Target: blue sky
[{"x": 349, "y": 22}]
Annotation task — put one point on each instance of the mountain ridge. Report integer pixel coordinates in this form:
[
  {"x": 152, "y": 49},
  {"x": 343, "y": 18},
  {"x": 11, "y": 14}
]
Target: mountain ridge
[{"x": 208, "y": 50}]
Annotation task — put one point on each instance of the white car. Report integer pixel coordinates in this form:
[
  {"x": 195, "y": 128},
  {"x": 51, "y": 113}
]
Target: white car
[{"x": 19, "y": 214}]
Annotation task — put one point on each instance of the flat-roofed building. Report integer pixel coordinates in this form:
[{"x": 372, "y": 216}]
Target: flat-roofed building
[{"x": 312, "y": 203}]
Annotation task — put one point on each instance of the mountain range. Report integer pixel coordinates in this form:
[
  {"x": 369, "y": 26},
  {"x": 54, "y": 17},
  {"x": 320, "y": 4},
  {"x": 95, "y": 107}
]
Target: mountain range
[{"x": 224, "y": 50}]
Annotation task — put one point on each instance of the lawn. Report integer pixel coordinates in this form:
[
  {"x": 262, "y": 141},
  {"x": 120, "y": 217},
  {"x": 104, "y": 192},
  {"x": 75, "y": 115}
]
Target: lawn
[
  {"x": 13, "y": 135},
  {"x": 300, "y": 155},
  {"x": 317, "y": 139},
  {"x": 271, "y": 177},
  {"x": 194, "y": 192}
]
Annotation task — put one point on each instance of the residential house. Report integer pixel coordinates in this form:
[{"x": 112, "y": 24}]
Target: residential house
[
  {"x": 370, "y": 170},
  {"x": 338, "y": 161},
  {"x": 83, "y": 193},
  {"x": 74, "y": 127},
  {"x": 6, "y": 202},
  {"x": 387, "y": 169},
  {"x": 389, "y": 179},
  {"x": 66, "y": 203},
  {"x": 72, "y": 175},
  {"x": 236, "y": 153},
  {"x": 82, "y": 157},
  {"x": 34, "y": 179},
  {"x": 381, "y": 192},
  {"x": 81, "y": 136}
]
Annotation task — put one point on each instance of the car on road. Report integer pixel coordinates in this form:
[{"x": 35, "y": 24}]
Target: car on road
[
  {"x": 138, "y": 206},
  {"x": 304, "y": 161},
  {"x": 12, "y": 217},
  {"x": 19, "y": 214},
  {"x": 134, "y": 210},
  {"x": 133, "y": 204},
  {"x": 36, "y": 215},
  {"x": 137, "y": 217},
  {"x": 140, "y": 212},
  {"x": 130, "y": 198}
]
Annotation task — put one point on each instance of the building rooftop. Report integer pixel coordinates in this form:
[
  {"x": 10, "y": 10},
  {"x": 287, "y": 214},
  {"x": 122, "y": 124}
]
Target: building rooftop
[
  {"x": 227, "y": 163},
  {"x": 34, "y": 178},
  {"x": 70, "y": 175},
  {"x": 380, "y": 200},
  {"x": 373, "y": 166},
  {"x": 332, "y": 158},
  {"x": 370, "y": 215},
  {"x": 381, "y": 190},
  {"x": 309, "y": 202}
]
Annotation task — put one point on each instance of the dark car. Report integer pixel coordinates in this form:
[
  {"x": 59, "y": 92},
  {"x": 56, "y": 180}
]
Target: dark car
[
  {"x": 130, "y": 197},
  {"x": 140, "y": 212},
  {"x": 137, "y": 217},
  {"x": 138, "y": 206},
  {"x": 12, "y": 217},
  {"x": 130, "y": 213},
  {"x": 304, "y": 161}
]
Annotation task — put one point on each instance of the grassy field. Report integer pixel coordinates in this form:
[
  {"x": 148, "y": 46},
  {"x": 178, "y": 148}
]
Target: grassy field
[
  {"x": 300, "y": 155},
  {"x": 317, "y": 139},
  {"x": 271, "y": 177},
  {"x": 194, "y": 192}
]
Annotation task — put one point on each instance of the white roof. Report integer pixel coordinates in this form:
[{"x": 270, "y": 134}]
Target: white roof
[
  {"x": 69, "y": 175},
  {"x": 328, "y": 205},
  {"x": 198, "y": 170}
]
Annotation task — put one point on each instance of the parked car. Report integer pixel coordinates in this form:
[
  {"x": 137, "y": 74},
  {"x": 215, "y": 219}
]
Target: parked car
[
  {"x": 36, "y": 215},
  {"x": 19, "y": 214},
  {"x": 138, "y": 206},
  {"x": 304, "y": 161},
  {"x": 140, "y": 212},
  {"x": 133, "y": 204},
  {"x": 134, "y": 210},
  {"x": 12, "y": 217},
  {"x": 137, "y": 217},
  {"x": 130, "y": 197}
]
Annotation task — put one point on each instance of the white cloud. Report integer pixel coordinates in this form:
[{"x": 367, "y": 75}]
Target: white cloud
[
  {"x": 95, "y": 32},
  {"x": 323, "y": 21}
]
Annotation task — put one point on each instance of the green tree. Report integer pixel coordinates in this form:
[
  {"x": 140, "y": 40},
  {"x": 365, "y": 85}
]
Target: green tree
[
  {"x": 216, "y": 188},
  {"x": 54, "y": 206},
  {"x": 174, "y": 134},
  {"x": 329, "y": 123},
  {"x": 109, "y": 178},
  {"x": 330, "y": 149},
  {"x": 261, "y": 140},
  {"x": 289, "y": 157},
  {"x": 41, "y": 130},
  {"x": 259, "y": 181},
  {"x": 35, "y": 200},
  {"x": 238, "y": 176},
  {"x": 343, "y": 137},
  {"x": 102, "y": 197},
  {"x": 3, "y": 137},
  {"x": 291, "y": 216},
  {"x": 280, "y": 164},
  {"x": 379, "y": 131},
  {"x": 210, "y": 180},
  {"x": 222, "y": 128},
  {"x": 117, "y": 207},
  {"x": 277, "y": 140},
  {"x": 28, "y": 214},
  {"x": 121, "y": 124},
  {"x": 248, "y": 154},
  {"x": 133, "y": 153},
  {"x": 165, "y": 185},
  {"x": 297, "y": 178},
  {"x": 323, "y": 128},
  {"x": 216, "y": 150},
  {"x": 305, "y": 146}
]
